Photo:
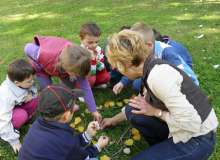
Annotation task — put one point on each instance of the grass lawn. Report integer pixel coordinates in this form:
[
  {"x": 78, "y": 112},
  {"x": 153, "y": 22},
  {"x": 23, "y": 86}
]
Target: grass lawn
[{"x": 195, "y": 23}]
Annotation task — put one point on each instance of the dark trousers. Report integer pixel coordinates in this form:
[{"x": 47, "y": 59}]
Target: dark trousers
[{"x": 155, "y": 132}]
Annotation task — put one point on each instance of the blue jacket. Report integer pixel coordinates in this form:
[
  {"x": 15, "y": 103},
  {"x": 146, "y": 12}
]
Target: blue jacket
[
  {"x": 182, "y": 51},
  {"x": 55, "y": 141},
  {"x": 170, "y": 54}
]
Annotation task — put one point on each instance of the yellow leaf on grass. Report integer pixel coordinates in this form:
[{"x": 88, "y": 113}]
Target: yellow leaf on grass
[
  {"x": 106, "y": 105},
  {"x": 87, "y": 111},
  {"x": 111, "y": 103},
  {"x": 105, "y": 157},
  {"x": 77, "y": 120},
  {"x": 72, "y": 125},
  {"x": 94, "y": 142},
  {"x": 129, "y": 142},
  {"x": 80, "y": 129},
  {"x": 126, "y": 101},
  {"x": 119, "y": 104},
  {"x": 134, "y": 131},
  {"x": 136, "y": 137}
]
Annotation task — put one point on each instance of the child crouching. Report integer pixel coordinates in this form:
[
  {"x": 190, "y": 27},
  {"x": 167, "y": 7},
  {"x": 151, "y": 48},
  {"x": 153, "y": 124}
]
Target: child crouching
[
  {"x": 50, "y": 136},
  {"x": 18, "y": 101}
]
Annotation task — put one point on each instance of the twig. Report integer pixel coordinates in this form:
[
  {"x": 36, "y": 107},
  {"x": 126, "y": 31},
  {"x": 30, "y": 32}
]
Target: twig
[
  {"x": 122, "y": 136},
  {"x": 116, "y": 153}
]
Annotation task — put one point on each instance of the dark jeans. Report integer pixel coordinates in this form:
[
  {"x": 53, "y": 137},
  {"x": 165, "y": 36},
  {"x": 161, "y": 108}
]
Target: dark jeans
[{"x": 161, "y": 147}]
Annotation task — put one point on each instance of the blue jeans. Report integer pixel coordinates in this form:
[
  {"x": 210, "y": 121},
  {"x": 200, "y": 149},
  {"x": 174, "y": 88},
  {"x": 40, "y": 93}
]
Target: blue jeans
[{"x": 161, "y": 147}]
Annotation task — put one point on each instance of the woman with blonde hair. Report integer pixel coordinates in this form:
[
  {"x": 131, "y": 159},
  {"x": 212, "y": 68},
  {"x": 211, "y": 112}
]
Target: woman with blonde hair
[{"x": 172, "y": 114}]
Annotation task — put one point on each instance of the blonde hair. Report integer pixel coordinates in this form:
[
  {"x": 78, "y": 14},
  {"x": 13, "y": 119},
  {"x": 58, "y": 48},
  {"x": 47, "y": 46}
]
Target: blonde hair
[
  {"x": 76, "y": 59},
  {"x": 126, "y": 48},
  {"x": 145, "y": 31}
]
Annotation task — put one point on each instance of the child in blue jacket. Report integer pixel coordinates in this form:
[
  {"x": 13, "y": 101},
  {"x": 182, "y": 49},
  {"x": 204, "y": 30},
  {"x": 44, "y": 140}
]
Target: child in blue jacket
[
  {"x": 50, "y": 136},
  {"x": 160, "y": 50}
]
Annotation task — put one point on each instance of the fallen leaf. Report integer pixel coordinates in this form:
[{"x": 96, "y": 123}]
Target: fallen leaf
[
  {"x": 199, "y": 36},
  {"x": 129, "y": 142},
  {"x": 111, "y": 103},
  {"x": 126, "y": 101},
  {"x": 77, "y": 120},
  {"x": 216, "y": 66},
  {"x": 87, "y": 111},
  {"x": 136, "y": 137},
  {"x": 72, "y": 125},
  {"x": 134, "y": 131},
  {"x": 94, "y": 142},
  {"x": 105, "y": 157},
  {"x": 127, "y": 150},
  {"x": 106, "y": 104},
  {"x": 119, "y": 104},
  {"x": 80, "y": 129}
]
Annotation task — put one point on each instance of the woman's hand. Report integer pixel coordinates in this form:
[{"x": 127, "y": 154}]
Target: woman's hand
[{"x": 142, "y": 107}]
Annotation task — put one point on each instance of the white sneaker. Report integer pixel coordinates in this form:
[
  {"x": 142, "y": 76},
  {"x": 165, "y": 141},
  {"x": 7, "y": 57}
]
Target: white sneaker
[{"x": 101, "y": 86}]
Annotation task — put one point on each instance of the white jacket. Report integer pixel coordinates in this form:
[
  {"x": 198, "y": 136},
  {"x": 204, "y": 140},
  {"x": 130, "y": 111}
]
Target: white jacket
[{"x": 10, "y": 95}]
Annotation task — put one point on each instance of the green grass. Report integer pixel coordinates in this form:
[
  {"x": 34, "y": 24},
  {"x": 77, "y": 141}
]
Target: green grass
[{"x": 21, "y": 19}]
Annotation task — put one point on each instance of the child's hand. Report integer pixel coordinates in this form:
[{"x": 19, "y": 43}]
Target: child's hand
[
  {"x": 97, "y": 116},
  {"x": 16, "y": 147},
  {"x": 118, "y": 88},
  {"x": 92, "y": 128},
  {"x": 103, "y": 141}
]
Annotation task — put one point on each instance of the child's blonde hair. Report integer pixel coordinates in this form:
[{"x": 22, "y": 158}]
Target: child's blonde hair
[
  {"x": 126, "y": 48},
  {"x": 145, "y": 31},
  {"x": 76, "y": 59}
]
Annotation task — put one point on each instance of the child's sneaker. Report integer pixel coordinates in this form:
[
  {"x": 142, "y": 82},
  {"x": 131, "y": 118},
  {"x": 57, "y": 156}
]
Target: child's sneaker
[{"x": 101, "y": 86}]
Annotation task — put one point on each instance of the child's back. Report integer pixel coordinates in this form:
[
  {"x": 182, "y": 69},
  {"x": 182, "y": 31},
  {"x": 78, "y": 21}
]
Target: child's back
[{"x": 53, "y": 140}]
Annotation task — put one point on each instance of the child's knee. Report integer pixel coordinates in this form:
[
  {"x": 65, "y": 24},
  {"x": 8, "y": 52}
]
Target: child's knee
[{"x": 19, "y": 117}]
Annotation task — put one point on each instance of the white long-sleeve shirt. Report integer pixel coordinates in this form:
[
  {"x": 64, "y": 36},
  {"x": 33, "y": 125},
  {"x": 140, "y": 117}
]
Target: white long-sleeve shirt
[
  {"x": 182, "y": 118},
  {"x": 10, "y": 96}
]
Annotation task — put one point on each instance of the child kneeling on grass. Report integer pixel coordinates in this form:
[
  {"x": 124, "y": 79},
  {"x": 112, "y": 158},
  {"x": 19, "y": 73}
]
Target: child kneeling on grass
[
  {"x": 89, "y": 37},
  {"x": 18, "y": 101},
  {"x": 50, "y": 136}
]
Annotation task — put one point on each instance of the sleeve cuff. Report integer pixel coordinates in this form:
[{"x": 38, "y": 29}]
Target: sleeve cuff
[
  {"x": 86, "y": 137},
  {"x": 125, "y": 81},
  {"x": 13, "y": 142},
  {"x": 98, "y": 147},
  {"x": 123, "y": 111}
]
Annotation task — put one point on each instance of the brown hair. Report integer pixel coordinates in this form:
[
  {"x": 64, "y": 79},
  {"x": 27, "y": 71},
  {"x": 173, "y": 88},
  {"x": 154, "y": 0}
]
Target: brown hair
[
  {"x": 19, "y": 70},
  {"x": 145, "y": 31},
  {"x": 90, "y": 29},
  {"x": 76, "y": 59},
  {"x": 126, "y": 48}
]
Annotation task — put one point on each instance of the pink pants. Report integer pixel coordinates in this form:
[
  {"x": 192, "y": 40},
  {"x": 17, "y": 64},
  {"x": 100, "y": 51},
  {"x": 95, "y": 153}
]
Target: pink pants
[
  {"x": 21, "y": 114},
  {"x": 101, "y": 77}
]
